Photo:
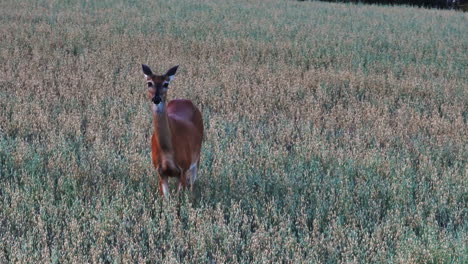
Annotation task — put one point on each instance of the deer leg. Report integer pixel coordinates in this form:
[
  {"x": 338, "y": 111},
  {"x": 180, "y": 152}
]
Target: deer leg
[
  {"x": 164, "y": 186},
  {"x": 179, "y": 186},
  {"x": 182, "y": 182},
  {"x": 192, "y": 175}
]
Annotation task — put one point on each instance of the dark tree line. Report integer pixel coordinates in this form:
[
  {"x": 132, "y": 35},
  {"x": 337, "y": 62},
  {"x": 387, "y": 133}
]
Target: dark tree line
[{"x": 450, "y": 4}]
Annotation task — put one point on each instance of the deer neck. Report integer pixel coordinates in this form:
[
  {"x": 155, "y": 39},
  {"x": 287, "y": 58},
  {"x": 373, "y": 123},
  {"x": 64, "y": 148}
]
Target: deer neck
[{"x": 162, "y": 128}]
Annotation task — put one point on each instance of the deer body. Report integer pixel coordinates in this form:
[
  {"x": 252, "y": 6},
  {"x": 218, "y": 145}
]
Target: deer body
[{"x": 178, "y": 133}]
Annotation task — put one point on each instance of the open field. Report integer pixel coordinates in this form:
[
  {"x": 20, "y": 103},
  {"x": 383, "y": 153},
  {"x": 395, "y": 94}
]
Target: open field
[{"x": 334, "y": 133}]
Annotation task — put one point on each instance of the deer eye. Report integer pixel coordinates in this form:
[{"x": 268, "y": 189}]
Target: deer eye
[
  {"x": 150, "y": 84},
  {"x": 165, "y": 85}
]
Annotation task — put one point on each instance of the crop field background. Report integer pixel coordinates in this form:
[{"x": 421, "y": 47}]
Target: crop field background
[{"x": 335, "y": 133}]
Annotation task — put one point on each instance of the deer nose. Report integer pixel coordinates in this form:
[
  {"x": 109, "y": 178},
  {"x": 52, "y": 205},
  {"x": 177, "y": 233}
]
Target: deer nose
[{"x": 156, "y": 99}]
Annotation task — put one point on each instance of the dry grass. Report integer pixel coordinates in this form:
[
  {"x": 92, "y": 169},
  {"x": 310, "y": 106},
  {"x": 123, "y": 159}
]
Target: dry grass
[{"x": 334, "y": 133}]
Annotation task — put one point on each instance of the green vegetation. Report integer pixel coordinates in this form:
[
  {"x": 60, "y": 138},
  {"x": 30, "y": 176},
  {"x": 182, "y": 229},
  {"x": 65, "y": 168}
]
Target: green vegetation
[{"x": 334, "y": 133}]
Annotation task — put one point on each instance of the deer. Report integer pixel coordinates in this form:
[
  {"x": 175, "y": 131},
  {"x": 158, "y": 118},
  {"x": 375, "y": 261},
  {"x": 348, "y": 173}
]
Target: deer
[{"x": 178, "y": 133}]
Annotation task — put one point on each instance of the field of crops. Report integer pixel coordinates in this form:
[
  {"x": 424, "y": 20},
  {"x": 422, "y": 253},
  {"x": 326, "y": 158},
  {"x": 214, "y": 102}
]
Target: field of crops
[{"x": 334, "y": 133}]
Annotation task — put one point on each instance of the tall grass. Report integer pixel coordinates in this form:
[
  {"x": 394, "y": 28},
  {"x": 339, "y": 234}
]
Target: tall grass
[{"x": 334, "y": 133}]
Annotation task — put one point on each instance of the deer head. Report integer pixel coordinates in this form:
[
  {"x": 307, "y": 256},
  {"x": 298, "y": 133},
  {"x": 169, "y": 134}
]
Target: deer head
[{"x": 158, "y": 84}]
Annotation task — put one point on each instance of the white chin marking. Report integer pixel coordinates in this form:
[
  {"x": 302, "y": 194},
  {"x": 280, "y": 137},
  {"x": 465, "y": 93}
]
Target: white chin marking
[{"x": 158, "y": 108}]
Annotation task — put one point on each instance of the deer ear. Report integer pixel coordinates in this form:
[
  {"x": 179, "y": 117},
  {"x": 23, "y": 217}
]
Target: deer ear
[
  {"x": 171, "y": 72},
  {"x": 146, "y": 70}
]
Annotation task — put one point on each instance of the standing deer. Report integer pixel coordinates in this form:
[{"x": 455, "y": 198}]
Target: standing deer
[{"x": 178, "y": 133}]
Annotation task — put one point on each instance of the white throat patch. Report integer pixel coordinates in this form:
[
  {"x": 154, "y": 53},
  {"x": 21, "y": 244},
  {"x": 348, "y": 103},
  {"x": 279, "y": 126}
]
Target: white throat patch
[{"x": 159, "y": 108}]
